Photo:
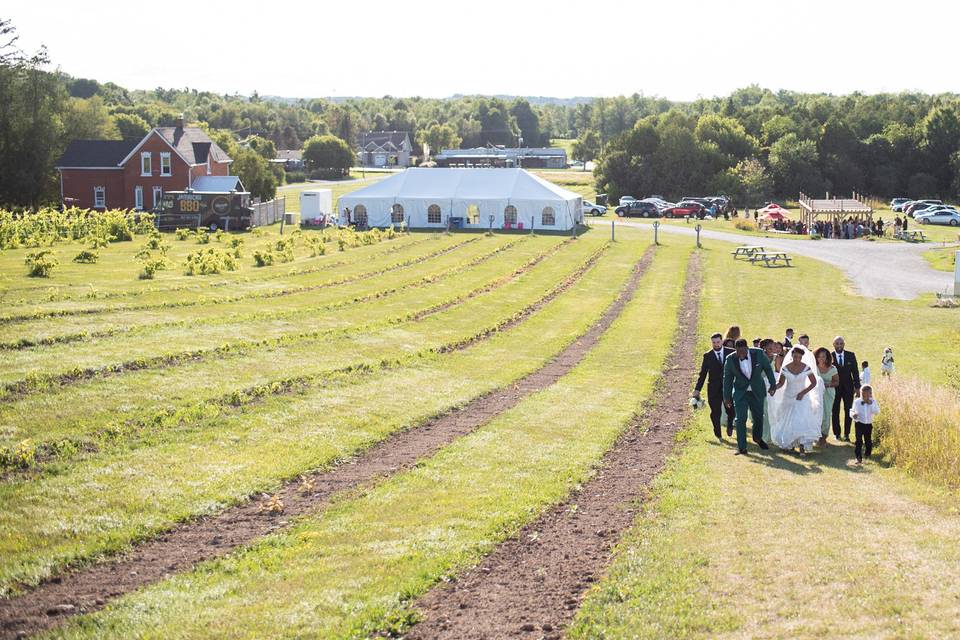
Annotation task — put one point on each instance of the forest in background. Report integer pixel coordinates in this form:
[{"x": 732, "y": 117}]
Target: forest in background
[{"x": 753, "y": 144}]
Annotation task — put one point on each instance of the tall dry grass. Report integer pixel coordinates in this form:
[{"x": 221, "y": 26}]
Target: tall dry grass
[{"x": 919, "y": 429}]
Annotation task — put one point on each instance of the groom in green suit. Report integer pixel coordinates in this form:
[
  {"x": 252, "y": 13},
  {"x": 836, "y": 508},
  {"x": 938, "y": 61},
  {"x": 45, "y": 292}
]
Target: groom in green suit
[{"x": 743, "y": 390}]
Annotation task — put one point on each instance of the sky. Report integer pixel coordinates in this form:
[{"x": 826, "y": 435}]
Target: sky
[{"x": 677, "y": 49}]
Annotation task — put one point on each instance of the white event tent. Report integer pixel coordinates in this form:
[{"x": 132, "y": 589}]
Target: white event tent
[{"x": 467, "y": 198}]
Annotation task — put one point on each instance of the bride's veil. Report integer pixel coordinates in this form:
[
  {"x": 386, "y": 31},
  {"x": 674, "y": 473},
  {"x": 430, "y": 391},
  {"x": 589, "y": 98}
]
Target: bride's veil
[{"x": 776, "y": 403}]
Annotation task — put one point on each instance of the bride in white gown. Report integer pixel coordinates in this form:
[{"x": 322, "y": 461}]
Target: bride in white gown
[{"x": 796, "y": 412}]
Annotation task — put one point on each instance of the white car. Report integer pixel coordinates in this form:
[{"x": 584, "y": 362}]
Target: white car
[
  {"x": 626, "y": 200},
  {"x": 941, "y": 216},
  {"x": 593, "y": 209}
]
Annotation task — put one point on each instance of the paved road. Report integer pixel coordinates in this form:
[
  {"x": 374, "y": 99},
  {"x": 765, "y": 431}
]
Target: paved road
[{"x": 876, "y": 269}]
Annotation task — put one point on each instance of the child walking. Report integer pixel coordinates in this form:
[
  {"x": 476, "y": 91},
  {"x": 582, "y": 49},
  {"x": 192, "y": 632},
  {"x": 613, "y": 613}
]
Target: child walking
[
  {"x": 865, "y": 372},
  {"x": 886, "y": 365},
  {"x": 864, "y": 410}
]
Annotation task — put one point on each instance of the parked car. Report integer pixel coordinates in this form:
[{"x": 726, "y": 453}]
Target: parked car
[
  {"x": 911, "y": 209},
  {"x": 897, "y": 204},
  {"x": 685, "y": 209},
  {"x": 658, "y": 202},
  {"x": 941, "y": 216},
  {"x": 593, "y": 209},
  {"x": 928, "y": 208},
  {"x": 627, "y": 199},
  {"x": 638, "y": 209}
]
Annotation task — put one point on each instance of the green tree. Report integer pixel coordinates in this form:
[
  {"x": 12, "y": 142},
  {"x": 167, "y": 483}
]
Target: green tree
[
  {"x": 438, "y": 137},
  {"x": 731, "y": 139},
  {"x": 794, "y": 165},
  {"x": 31, "y": 129},
  {"x": 587, "y": 146},
  {"x": 130, "y": 126},
  {"x": 328, "y": 153},
  {"x": 255, "y": 173},
  {"x": 89, "y": 119},
  {"x": 265, "y": 148},
  {"x": 528, "y": 123}
]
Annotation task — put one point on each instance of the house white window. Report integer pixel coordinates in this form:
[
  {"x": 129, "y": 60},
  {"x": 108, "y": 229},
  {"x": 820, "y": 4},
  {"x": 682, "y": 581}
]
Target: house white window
[
  {"x": 138, "y": 198},
  {"x": 157, "y": 196},
  {"x": 146, "y": 163},
  {"x": 396, "y": 214},
  {"x": 510, "y": 214},
  {"x": 99, "y": 197},
  {"x": 473, "y": 214},
  {"x": 433, "y": 214},
  {"x": 166, "y": 169},
  {"x": 549, "y": 218},
  {"x": 360, "y": 216}
]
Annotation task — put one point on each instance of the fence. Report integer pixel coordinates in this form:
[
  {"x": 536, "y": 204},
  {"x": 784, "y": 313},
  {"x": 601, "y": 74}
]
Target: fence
[{"x": 265, "y": 213}]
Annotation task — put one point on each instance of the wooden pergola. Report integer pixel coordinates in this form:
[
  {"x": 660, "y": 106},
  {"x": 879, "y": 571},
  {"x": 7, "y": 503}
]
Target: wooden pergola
[{"x": 835, "y": 209}]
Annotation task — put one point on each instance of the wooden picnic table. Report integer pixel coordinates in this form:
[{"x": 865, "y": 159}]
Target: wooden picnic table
[
  {"x": 912, "y": 236},
  {"x": 746, "y": 250},
  {"x": 771, "y": 258}
]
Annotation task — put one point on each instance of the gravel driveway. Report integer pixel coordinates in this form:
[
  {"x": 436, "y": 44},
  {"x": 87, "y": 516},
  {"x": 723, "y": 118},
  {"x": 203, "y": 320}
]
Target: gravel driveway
[{"x": 876, "y": 269}]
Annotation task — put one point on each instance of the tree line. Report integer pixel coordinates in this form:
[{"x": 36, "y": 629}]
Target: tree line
[{"x": 752, "y": 144}]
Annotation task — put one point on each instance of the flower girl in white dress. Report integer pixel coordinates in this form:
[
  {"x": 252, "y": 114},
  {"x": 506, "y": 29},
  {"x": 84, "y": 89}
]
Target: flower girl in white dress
[{"x": 796, "y": 413}]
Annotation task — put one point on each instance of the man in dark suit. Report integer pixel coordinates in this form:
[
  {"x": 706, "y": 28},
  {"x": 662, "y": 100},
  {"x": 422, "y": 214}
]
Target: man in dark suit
[
  {"x": 788, "y": 339},
  {"x": 711, "y": 371},
  {"x": 849, "y": 386}
]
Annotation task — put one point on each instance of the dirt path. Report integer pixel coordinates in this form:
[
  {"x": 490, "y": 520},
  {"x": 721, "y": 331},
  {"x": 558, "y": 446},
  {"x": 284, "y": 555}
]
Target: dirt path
[
  {"x": 88, "y": 589},
  {"x": 531, "y": 586}
]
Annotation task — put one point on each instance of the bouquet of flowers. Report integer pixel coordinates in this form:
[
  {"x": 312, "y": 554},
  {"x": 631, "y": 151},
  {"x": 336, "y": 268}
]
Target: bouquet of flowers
[{"x": 696, "y": 402}]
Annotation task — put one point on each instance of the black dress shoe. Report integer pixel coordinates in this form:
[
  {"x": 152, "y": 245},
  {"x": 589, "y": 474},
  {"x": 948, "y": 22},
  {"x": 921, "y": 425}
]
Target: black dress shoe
[
  {"x": 762, "y": 444},
  {"x": 740, "y": 452},
  {"x": 729, "y": 432}
]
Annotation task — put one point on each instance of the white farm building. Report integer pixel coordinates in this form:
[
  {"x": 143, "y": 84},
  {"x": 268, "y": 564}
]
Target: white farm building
[{"x": 464, "y": 198}]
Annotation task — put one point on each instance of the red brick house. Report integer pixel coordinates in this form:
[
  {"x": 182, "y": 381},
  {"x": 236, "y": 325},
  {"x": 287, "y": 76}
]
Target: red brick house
[{"x": 115, "y": 174}]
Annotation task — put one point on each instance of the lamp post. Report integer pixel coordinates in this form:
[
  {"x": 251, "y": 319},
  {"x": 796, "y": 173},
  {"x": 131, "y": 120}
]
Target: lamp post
[
  {"x": 698, "y": 228},
  {"x": 656, "y": 232}
]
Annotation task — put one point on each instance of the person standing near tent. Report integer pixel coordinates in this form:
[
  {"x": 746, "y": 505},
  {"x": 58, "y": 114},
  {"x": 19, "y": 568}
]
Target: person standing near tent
[{"x": 346, "y": 215}]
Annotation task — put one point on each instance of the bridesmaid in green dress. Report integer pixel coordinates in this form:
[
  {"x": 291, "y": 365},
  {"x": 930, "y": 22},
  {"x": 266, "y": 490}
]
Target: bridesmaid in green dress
[{"x": 828, "y": 373}]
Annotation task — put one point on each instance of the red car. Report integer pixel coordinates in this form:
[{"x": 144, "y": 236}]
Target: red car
[{"x": 685, "y": 209}]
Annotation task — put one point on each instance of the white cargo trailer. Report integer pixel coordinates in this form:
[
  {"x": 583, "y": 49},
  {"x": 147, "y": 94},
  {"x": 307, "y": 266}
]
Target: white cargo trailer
[{"x": 316, "y": 207}]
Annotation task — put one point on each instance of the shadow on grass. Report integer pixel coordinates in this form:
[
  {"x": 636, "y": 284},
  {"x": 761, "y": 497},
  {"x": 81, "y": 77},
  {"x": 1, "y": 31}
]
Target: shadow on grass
[{"x": 834, "y": 455}]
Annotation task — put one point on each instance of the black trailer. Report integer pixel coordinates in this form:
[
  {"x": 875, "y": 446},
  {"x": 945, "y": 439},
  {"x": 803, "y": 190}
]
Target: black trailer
[{"x": 227, "y": 210}]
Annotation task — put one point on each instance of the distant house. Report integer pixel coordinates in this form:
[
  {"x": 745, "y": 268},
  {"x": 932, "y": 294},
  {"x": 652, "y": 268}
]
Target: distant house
[
  {"x": 130, "y": 174},
  {"x": 493, "y": 156},
  {"x": 291, "y": 159},
  {"x": 385, "y": 149}
]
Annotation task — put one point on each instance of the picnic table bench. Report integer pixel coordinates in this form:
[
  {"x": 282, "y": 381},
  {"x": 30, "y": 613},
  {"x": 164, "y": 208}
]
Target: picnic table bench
[
  {"x": 771, "y": 258},
  {"x": 746, "y": 251},
  {"x": 912, "y": 236}
]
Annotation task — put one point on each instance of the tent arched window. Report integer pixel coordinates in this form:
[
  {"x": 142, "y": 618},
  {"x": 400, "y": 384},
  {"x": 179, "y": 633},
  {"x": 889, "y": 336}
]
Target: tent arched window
[
  {"x": 473, "y": 214},
  {"x": 548, "y": 217},
  {"x": 510, "y": 214},
  {"x": 433, "y": 214},
  {"x": 360, "y": 215},
  {"x": 396, "y": 214}
]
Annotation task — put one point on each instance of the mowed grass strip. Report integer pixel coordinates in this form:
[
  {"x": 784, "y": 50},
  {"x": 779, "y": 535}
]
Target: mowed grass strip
[
  {"x": 87, "y": 507},
  {"x": 93, "y": 405},
  {"x": 774, "y": 546},
  {"x": 355, "y": 569},
  {"x": 294, "y": 317}
]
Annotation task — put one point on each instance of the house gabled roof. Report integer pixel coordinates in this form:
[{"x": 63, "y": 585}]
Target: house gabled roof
[
  {"x": 289, "y": 154},
  {"x": 193, "y": 144},
  {"x": 382, "y": 138},
  {"x": 89, "y": 154}
]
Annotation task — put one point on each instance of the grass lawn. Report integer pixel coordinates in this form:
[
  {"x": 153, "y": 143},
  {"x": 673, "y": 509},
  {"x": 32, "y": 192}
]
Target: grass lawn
[
  {"x": 352, "y": 570},
  {"x": 942, "y": 258},
  {"x": 771, "y": 545},
  {"x": 102, "y": 501}
]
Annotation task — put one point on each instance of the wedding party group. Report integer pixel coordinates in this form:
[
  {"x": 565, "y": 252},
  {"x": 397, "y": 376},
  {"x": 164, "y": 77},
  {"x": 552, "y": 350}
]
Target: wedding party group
[{"x": 793, "y": 395}]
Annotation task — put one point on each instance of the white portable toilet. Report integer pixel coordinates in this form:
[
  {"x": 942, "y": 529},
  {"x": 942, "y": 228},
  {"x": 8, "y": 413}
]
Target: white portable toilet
[{"x": 315, "y": 205}]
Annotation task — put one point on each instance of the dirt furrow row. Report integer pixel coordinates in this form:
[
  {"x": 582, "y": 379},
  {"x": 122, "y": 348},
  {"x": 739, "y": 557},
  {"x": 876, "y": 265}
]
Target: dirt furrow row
[
  {"x": 532, "y": 585},
  {"x": 90, "y": 588}
]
